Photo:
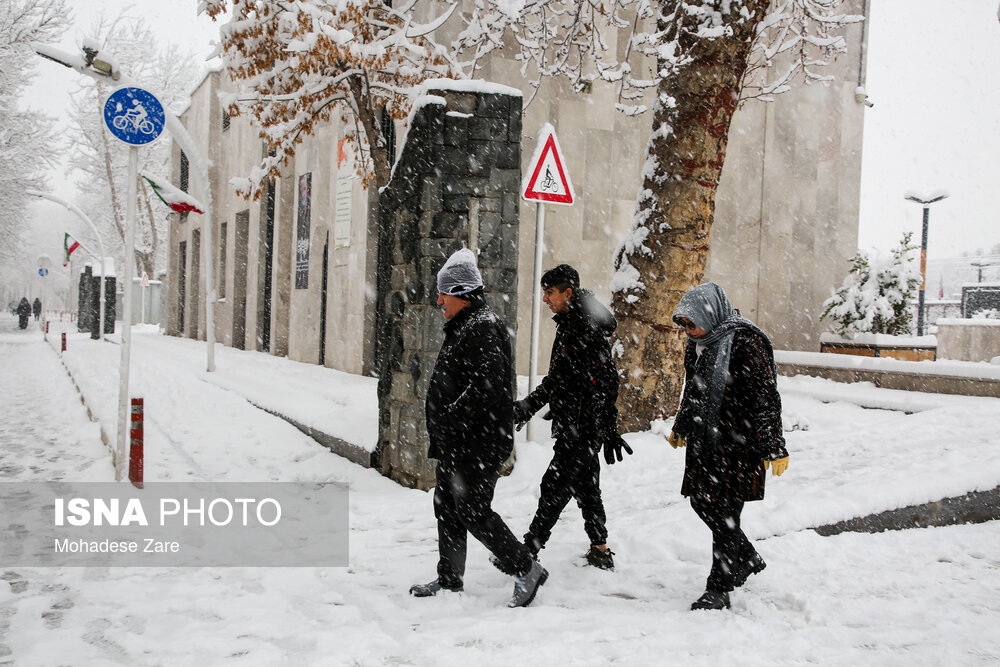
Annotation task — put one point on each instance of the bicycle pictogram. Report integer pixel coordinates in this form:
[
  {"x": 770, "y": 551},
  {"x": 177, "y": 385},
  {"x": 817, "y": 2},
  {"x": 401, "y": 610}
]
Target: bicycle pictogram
[
  {"x": 549, "y": 183},
  {"x": 134, "y": 118}
]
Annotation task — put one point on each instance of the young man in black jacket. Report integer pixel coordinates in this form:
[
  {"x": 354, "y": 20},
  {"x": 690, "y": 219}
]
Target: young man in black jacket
[
  {"x": 470, "y": 423},
  {"x": 581, "y": 389}
]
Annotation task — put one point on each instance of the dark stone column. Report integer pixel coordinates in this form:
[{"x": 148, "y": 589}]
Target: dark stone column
[{"x": 456, "y": 185}]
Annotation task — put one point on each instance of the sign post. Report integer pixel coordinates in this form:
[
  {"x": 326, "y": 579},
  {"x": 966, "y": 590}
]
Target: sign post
[
  {"x": 143, "y": 284},
  {"x": 135, "y": 117},
  {"x": 547, "y": 181}
]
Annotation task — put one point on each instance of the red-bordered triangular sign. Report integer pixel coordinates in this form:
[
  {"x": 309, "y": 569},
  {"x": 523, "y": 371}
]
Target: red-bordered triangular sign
[{"x": 547, "y": 179}]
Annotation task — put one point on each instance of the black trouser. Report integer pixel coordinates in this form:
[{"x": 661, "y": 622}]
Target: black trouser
[
  {"x": 575, "y": 472},
  {"x": 730, "y": 547},
  {"x": 462, "y": 504}
]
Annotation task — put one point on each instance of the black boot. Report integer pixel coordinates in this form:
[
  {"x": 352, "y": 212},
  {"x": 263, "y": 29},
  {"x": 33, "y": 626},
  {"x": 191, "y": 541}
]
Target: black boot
[
  {"x": 431, "y": 589},
  {"x": 602, "y": 560},
  {"x": 753, "y": 565},
  {"x": 711, "y": 600}
]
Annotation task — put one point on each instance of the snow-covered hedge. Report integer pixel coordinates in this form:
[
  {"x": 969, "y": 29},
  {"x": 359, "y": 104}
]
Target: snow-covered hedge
[{"x": 877, "y": 294}]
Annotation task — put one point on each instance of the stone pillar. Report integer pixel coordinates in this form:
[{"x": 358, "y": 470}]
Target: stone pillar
[{"x": 456, "y": 184}]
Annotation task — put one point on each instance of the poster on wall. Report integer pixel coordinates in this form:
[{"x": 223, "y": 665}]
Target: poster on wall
[
  {"x": 302, "y": 234},
  {"x": 345, "y": 188}
]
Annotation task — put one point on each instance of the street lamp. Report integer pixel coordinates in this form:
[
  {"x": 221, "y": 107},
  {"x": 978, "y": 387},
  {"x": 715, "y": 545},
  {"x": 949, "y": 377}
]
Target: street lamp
[
  {"x": 100, "y": 245},
  {"x": 926, "y": 203},
  {"x": 980, "y": 264},
  {"x": 90, "y": 63}
]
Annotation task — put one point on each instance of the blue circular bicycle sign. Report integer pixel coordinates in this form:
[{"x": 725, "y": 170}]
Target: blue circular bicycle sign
[{"x": 134, "y": 115}]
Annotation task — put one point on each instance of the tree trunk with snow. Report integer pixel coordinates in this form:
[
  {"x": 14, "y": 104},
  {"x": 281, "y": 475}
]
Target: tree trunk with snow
[{"x": 667, "y": 251}]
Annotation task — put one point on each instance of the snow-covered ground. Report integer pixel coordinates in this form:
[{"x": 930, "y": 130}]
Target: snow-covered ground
[{"x": 925, "y": 597}]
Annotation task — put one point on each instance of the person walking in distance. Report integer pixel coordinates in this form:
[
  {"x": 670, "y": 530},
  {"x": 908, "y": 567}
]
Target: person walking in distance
[
  {"x": 36, "y": 307},
  {"x": 470, "y": 423},
  {"x": 581, "y": 389},
  {"x": 730, "y": 421},
  {"x": 23, "y": 313}
]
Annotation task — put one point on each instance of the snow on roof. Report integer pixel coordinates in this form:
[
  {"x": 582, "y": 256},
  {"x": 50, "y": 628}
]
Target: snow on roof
[
  {"x": 96, "y": 270},
  {"x": 968, "y": 322},
  {"x": 467, "y": 86}
]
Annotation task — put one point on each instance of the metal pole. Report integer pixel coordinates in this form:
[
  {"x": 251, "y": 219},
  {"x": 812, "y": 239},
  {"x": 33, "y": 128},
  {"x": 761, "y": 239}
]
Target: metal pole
[
  {"x": 123, "y": 367},
  {"x": 923, "y": 272},
  {"x": 536, "y": 304}
]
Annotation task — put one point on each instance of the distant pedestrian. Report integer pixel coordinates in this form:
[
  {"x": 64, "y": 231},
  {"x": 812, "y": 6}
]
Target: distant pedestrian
[
  {"x": 730, "y": 420},
  {"x": 36, "y": 308},
  {"x": 581, "y": 389},
  {"x": 470, "y": 403},
  {"x": 23, "y": 312}
]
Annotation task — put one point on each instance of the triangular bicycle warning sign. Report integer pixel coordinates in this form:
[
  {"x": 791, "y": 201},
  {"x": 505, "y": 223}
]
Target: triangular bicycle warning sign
[{"x": 547, "y": 179}]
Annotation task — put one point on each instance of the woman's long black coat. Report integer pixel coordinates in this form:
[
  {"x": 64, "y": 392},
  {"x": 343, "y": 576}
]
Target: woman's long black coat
[{"x": 749, "y": 420}]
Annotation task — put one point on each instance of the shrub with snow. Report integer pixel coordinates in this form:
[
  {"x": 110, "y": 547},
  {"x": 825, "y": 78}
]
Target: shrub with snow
[
  {"x": 987, "y": 314},
  {"x": 877, "y": 294}
]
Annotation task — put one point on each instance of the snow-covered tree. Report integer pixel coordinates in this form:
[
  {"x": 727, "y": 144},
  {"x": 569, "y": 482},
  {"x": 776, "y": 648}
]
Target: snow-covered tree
[
  {"x": 698, "y": 58},
  {"x": 27, "y": 139},
  {"x": 102, "y": 161},
  {"x": 300, "y": 64},
  {"x": 877, "y": 294}
]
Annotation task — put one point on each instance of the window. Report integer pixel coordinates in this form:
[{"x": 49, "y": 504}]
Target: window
[
  {"x": 184, "y": 172},
  {"x": 223, "y": 238},
  {"x": 184, "y": 179}
]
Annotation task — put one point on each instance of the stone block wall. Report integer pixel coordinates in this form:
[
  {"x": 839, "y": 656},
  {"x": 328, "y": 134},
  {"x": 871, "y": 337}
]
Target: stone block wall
[{"x": 456, "y": 184}]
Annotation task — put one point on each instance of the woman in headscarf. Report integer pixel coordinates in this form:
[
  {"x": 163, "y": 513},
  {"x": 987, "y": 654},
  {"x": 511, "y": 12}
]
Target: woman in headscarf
[{"x": 730, "y": 420}]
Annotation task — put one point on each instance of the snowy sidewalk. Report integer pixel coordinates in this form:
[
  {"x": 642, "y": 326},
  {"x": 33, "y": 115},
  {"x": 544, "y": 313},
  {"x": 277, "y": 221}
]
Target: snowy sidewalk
[{"x": 920, "y": 597}]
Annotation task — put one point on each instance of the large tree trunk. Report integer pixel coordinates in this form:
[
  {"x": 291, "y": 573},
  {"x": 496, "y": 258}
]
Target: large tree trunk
[{"x": 676, "y": 208}]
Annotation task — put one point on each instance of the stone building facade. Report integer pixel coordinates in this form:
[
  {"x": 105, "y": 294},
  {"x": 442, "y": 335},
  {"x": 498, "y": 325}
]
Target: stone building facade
[
  {"x": 456, "y": 185},
  {"x": 786, "y": 217}
]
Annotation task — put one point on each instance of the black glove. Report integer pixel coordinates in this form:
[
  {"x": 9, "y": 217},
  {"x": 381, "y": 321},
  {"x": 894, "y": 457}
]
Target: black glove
[
  {"x": 613, "y": 446},
  {"x": 521, "y": 414}
]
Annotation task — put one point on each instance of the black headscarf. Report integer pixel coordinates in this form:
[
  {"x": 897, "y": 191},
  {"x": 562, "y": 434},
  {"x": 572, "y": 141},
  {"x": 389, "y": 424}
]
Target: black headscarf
[{"x": 708, "y": 307}]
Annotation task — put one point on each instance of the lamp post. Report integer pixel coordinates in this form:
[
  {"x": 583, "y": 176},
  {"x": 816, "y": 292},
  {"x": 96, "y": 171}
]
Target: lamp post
[
  {"x": 91, "y": 64},
  {"x": 926, "y": 203},
  {"x": 980, "y": 264},
  {"x": 100, "y": 246}
]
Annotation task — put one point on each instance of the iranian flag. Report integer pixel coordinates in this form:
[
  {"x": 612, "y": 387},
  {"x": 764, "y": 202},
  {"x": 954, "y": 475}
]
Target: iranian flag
[
  {"x": 70, "y": 244},
  {"x": 175, "y": 198}
]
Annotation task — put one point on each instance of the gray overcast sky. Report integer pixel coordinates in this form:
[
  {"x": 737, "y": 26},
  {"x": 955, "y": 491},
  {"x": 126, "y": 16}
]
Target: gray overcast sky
[{"x": 933, "y": 74}]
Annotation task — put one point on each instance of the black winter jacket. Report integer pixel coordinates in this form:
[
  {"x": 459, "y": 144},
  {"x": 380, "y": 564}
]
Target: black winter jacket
[
  {"x": 581, "y": 387},
  {"x": 470, "y": 398}
]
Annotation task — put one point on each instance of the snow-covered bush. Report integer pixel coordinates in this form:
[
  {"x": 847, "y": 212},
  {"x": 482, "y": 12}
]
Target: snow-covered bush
[
  {"x": 987, "y": 314},
  {"x": 877, "y": 294}
]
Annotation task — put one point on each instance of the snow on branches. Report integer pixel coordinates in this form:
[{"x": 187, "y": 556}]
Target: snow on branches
[
  {"x": 588, "y": 40},
  {"x": 877, "y": 295},
  {"x": 298, "y": 64}
]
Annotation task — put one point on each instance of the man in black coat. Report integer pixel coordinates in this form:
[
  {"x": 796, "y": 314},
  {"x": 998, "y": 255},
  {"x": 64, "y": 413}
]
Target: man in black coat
[
  {"x": 730, "y": 421},
  {"x": 36, "y": 308},
  {"x": 470, "y": 423},
  {"x": 581, "y": 389}
]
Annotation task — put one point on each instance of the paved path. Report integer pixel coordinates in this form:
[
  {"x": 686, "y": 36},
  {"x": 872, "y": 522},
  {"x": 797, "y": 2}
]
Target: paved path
[{"x": 45, "y": 433}]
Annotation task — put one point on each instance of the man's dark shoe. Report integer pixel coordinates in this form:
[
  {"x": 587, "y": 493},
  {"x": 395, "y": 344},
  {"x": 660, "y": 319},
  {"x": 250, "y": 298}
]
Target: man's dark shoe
[
  {"x": 431, "y": 589},
  {"x": 711, "y": 600},
  {"x": 601, "y": 559},
  {"x": 754, "y": 565},
  {"x": 527, "y": 585}
]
